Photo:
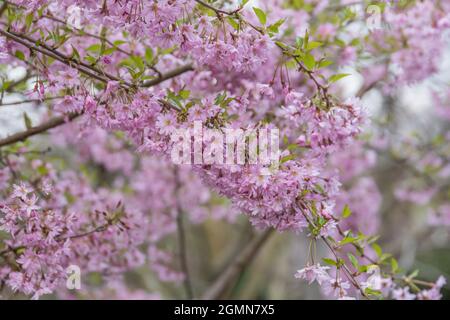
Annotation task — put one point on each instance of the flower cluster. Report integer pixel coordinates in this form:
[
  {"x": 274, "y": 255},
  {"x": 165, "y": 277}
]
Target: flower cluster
[{"x": 127, "y": 75}]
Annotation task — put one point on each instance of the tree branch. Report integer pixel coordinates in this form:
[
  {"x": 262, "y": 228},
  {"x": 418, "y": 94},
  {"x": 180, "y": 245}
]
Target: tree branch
[
  {"x": 7, "y": 104},
  {"x": 182, "y": 240},
  {"x": 55, "y": 122},
  {"x": 236, "y": 267},
  {"x": 52, "y": 123},
  {"x": 171, "y": 74},
  {"x": 53, "y": 54}
]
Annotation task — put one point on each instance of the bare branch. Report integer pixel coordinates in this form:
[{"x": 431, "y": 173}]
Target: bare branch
[
  {"x": 182, "y": 240},
  {"x": 171, "y": 74},
  {"x": 52, "y": 123},
  {"x": 236, "y": 267},
  {"x": 7, "y": 104}
]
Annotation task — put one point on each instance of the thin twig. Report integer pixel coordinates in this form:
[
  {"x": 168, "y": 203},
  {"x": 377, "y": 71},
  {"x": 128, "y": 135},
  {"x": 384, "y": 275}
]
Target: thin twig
[
  {"x": 29, "y": 101},
  {"x": 216, "y": 10},
  {"x": 347, "y": 271},
  {"x": 182, "y": 248}
]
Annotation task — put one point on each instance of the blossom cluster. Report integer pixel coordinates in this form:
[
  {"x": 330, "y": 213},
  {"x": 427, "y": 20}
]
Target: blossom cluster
[{"x": 121, "y": 77}]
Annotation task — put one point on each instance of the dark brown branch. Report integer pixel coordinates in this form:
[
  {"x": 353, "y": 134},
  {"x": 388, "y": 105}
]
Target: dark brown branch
[
  {"x": 52, "y": 123},
  {"x": 87, "y": 233},
  {"x": 236, "y": 267},
  {"x": 55, "y": 122},
  {"x": 52, "y": 54},
  {"x": 85, "y": 68},
  {"x": 171, "y": 74}
]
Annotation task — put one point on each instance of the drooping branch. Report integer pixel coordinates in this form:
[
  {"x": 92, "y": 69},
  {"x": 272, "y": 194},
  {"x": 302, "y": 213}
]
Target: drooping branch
[
  {"x": 182, "y": 240},
  {"x": 90, "y": 72},
  {"x": 55, "y": 122},
  {"x": 350, "y": 276},
  {"x": 237, "y": 266},
  {"x": 85, "y": 68}
]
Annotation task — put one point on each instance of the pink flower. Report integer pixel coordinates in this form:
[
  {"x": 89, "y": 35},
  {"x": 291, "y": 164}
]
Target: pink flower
[
  {"x": 314, "y": 273},
  {"x": 21, "y": 191},
  {"x": 336, "y": 287},
  {"x": 166, "y": 123},
  {"x": 403, "y": 294}
]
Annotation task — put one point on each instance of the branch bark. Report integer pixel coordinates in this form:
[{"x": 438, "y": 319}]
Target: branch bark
[
  {"x": 181, "y": 235},
  {"x": 52, "y": 123},
  {"x": 236, "y": 267}
]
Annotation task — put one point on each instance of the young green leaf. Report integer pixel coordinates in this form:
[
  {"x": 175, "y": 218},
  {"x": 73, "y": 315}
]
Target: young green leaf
[
  {"x": 377, "y": 249},
  {"x": 261, "y": 15},
  {"x": 337, "y": 77},
  {"x": 329, "y": 261},
  {"x": 346, "y": 212},
  {"x": 309, "y": 61},
  {"x": 27, "y": 120},
  {"x": 313, "y": 44},
  {"x": 353, "y": 260}
]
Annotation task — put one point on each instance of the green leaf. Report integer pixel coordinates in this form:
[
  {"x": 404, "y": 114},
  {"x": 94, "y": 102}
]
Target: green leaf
[
  {"x": 337, "y": 77},
  {"x": 309, "y": 61},
  {"x": 319, "y": 188},
  {"x": 323, "y": 63},
  {"x": 394, "y": 265},
  {"x": 346, "y": 212},
  {"x": 306, "y": 39},
  {"x": 385, "y": 256},
  {"x": 233, "y": 23},
  {"x": 287, "y": 158},
  {"x": 184, "y": 94},
  {"x": 353, "y": 260},
  {"x": 414, "y": 274},
  {"x": 347, "y": 240},
  {"x": 27, "y": 120},
  {"x": 377, "y": 249},
  {"x": 75, "y": 53},
  {"x": 108, "y": 51},
  {"x": 220, "y": 98},
  {"x": 243, "y": 3},
  {"x": 274, "y": 28},
  {"x": 94, "y": 48},
  {"x": 313, "y": 44},
  {"x": 42, "y": 170},
  {"x": 281, "y": 45},
  {"x": 329, "y": 261},
  {"x": 139, "y": 62},
  {"x": 119, "y": 42},
  {"x": 149, "y": 56},
  {"x": 372, "y": 292},
  {"x": 20, "y": 55},
  {"x": 91, "y": 59},
  {"x": 261, "y": 15},
  {"x": 29, "y": 20}
]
